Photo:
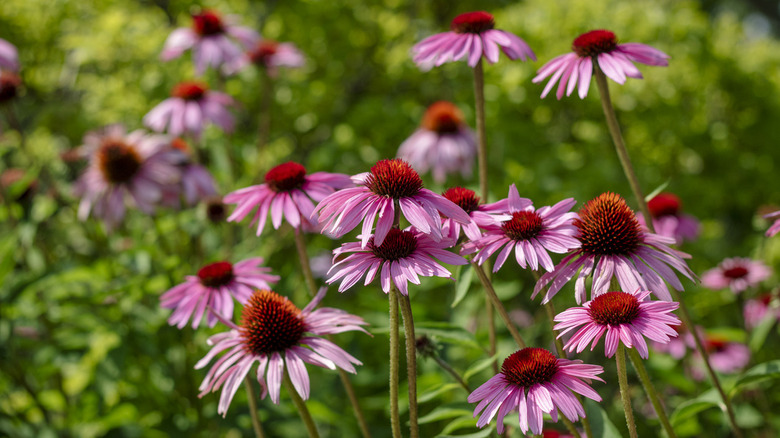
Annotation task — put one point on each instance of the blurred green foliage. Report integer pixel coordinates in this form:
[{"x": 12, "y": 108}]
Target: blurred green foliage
[{"x": 85, "y": 350}]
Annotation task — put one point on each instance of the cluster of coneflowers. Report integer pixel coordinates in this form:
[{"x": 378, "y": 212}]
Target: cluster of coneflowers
[{"x": 626, "y": 261}]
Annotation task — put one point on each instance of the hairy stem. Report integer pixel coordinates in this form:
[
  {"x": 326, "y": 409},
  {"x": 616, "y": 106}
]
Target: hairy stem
[
  {"x": 491, "y": 293},
  {"x": 395, "y": 418},
  {"x": 639, "y": 366},
  {"x": 411, "y": 363},
  {"x": 311, "y": 428},
  {"x": 620, "y": 358},
  {"x": 250, "y": 390},
  {"x": 479, "y": 99}
]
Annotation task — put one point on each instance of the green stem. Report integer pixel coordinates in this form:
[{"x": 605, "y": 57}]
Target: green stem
[
  {"x": 491, "y": 318},
  {"x": 451, "y": 371},
  {"x": 300, "y": 245},
  {"x": 395, "y": 418},
  {"x": 620, "y": 358},
  {"x": 264, "y": 124},
  {"x": 569, "y": 425},
  {"x": 491, "y": 293},
  {"x": 302, "y": 409},
  {"x": 479, "y": 98},
  {"x": 411, "y": 363},
  {"x": 253, "y": 408},
  {"x": 639, "y": 366}
]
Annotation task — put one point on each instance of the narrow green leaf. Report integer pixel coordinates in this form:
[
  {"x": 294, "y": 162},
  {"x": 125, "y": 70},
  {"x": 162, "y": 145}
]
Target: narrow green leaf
[
  {"x": 600, "y": 424},
  {"x": 657, "y": 190},
  {"x": 464, "y": 282},
  {"x": 761, "y": 372},
  {"x": 479, "y": 366},
  {"x": 709, "y": 399},
  {"x": 449, "y": 410}
]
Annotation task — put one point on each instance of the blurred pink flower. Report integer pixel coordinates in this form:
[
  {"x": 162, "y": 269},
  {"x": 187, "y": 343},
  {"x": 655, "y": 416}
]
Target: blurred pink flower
[
  {"x": 269, "y": 55},
  {"x": 443, "y": 144},
  {"x": 775, "y": 228},
  {"x": 481, "y": 215},
  {"x": 726, "y": 357},
  {"x": 597, "y": 48},
  {"x": 668, "y": 220},
  {"x": 9, "y": 56},
  {"x": 737, "y": 274},
  {"x": 472, "y": 36},
  {"x": 189, "y": 108},
  {"x": 757, "y": 309},
  {"x": 197, "y": 184}
]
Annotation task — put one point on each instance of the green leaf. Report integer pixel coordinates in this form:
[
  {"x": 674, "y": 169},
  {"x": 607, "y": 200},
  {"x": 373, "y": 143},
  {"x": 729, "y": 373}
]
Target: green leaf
[
  {"x": 446, "y": 332},
  {"x": 433, "y": 393},
  {"x": 449, "y": 410},
  {"x": 709, "y": 399},
  {"x": 479, "y": 366},
  {"x": 464, "y": 281},
  {"x": 759, "y": 373},
  {"x": 759, "y": 334},
  {"x": 600, "y": 424},
  {"x": 657, "y": 190}
]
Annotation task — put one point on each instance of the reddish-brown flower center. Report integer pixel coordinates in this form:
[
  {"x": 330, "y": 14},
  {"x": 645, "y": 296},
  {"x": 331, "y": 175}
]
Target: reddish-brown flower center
[
  {"x": 664, "y": 204},
  {"x": 264, "y": 50},
  {"x": 394, "y": 179},
  {"x": 180, "y": 144},
  {"x": 524, "y": 225},
  {"x": 270, "y": 323},
  {"x": 463, "y": 198},
  {"x": 594, "y": 43},
  {"x": 9, "y": 85},
  {"x": 442, "y": 117},
  {"x": 216, "y": 209},
  {"x": 216, "y": 274},
  {"x": 472, "y": 22},
  {"x": 207, "y": 23},
  {"x": 397, "y": 245},
  {"x": 118, "y": 160},
  {"x": 530, "y": 366},
  {"x": 714, "y": 344},
  {"x": 608, "y": 226},
  {"x": 613, "y": 308},
  {"x": 551, "y": 434},
  {"x": 765, "y": 299},
  {"x": 286, "y": 176},
  {"x": 735, "y": 272},
  {"x": 190, "y": 90}
]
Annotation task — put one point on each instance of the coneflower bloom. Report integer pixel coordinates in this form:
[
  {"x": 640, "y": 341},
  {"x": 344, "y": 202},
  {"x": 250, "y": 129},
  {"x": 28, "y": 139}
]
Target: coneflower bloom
[
  {"x": 737, "y": 274},
  {"x": 211, "y": 40},
  {"x": 472, "y": 36},
  {"x": 678, "y": 345},
  {"x": 668, "y": 220},
  {"x": 775, "y": 228},
  {"x": 270, "y": 55},
  {"x": 9, "y": 56},
  {"x": 613, "y": 245},
  {"x": 212, "y": 291},
  {"x": 597, "y": 48},
  {"x": 623, "y": 317},
  {"x": 389, "y": 182},
  {"x": 757, "y": 309},
  {"x": 189, "y": 108},
  {"x": 529, "y": 233},
  {"x": 289, "y": 193},
  {"x": 443, "y": 144},
  {"x": 273, "y": 334},
  {"x": 725, "y": 356},
  {"x": 482, "y": 215},
  {"x": 122, "y": 167},
  {"x": 197, "y": 184},
  {"x": 533, "y": 381},
  {"x": 402, "y": 257}
]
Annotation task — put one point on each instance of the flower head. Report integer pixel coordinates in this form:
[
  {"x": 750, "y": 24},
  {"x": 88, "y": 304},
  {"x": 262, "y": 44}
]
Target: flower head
[
  {"x": 737, "y": 274},
  {"x": 443, "y": 144},
  {"x": 725, "y": 356},
  {"x": 624, "y": 317},
  {"x": 482, "y": 215},
  {"x": 213, "y": 289},
  {"x": 597, "y": 49},
  {"x": 288, "y": 192},
  {"x": 775, "y": 228},
  {"x": 757, "y": 309},
  {"x": 270, "y": 55},
  {"x": 9, "y": 56},
  {"x": 390, "y": 184},
  {"x": 669, "y": 220},
  {"x": 211, "y": 40},
  {"x": 402, "y": 257},
  {"x": 273, "y": 332},
  {"x": 613, "y": 245},
  {"x": 529, "y": 232},
  {"x": 189, "y": 108},
  {"x": 533, "y": 381},
  {"x": 472, "y": 35}
]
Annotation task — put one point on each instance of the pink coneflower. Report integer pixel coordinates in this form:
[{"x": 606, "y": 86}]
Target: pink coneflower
[
  {"x": 9, "y": 56},
  {"x": 725, "y": 356},
  {"x": 775, "y": 228},
  {"x": 613, "y": 245},
  {"x": 272, "y": 333},
  {"x": 737, "y": 274},
  {"x": 402, "y": 257},
  {"x": 287, "y": 192},
  {"x": 197, "y": 184},
  {"x": 529, "y": 233},
  {"x": 124, "y": 166},
  {"x": 668, "y": 220},
  {"x": 473, "y": 35},
  {"x": 443, "y": 144},
  {"x": 533, "y": 381},
  {"x": 678, "y": 345},
  {"x": 624, "y": 317},
  {"x": 214, "y": 289},
  {"x": 481, "y": 215},
  {"x": 270, "y": 55},
  {"x": 211, "y": 40},
  {"x": 597, "y": 48},
  {"x": 389, "y": 182},
  {"x": 189, "y": 108},
  {"x": 759, "y": 308}
]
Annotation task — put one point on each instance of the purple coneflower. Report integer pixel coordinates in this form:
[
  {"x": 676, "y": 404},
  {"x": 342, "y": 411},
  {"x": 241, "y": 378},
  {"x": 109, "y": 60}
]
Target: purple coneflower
[
  {"x": 9, "y": 56},
  {"x": 197, "y": 184},
  {"x": 597, "y": 49},
  {"x": 529, "y": 232},
  {"x": 270, "y": 55},
  {"x": 725, "y": 356},
  {"x": 624, "y": 317},
  {"x": 613, "y": 245},
  {"x": 189, "y": 108},
  {"x": 759, "y": 308},
  {"x": 443, "y": 144},
  {"x": 124, "y": 166},
  {"x": 668, "y": 220},
  {"x": 210, "y": 39},
  {"x": 272, "y": 333},
  {"x": 775, "y": 228},
  {"x": 288, "y": 192},
  {"x": 737, "y": 274},
  {"x": 482, "y": 215},
  {"x": 389, "y": 182},
  {"x": 402, "y": 257},
  {"x": 533, "y": 381},
  {"x": 473, "y": 35},
  {"x": 213, "y": 290}
]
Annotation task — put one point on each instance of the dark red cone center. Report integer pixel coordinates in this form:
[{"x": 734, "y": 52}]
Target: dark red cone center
[
  {"x": 216, "y": 274},
  {"x": 715, "y": 344},
  {"x": 262, "y": 53},
  {"x": 207, "y": 23},
  {"x": 463, "y": 198},
  {"x": 735, "y": 272},
  {"x": 118, "y": 160},
  {"x": 664, "y": 204},
  {"x": 394, "y": 179},
  {"x": 397, "y": 245},
  {"x": 524, "y": 225},
  {"x": 530, "y": 366},
  {"x": 9, "y": 85},
  {"x": 608, "y": 226},
  {"x": 191, "y": 90},
  {"x": 286, "y": 176},
  {"x": 613, "y": 308},
  {"x": 442, "y": 117},
  {"x": 270, "y": 323},
  {"x": 594, "y": 42},
  {"x": 472, "y": 22}
]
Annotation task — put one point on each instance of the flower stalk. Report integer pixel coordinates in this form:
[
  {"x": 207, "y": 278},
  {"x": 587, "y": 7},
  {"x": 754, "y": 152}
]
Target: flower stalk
[
  {"x": 395, "y": 419},
  {"x": 620, "y": 359},
  {"x": 644, "y": 377},
  {"x": 311, "y": 428},
  {"x": 479, "y": 99},
  {"x": 491, "y": 293},
  {"x": 256, "y": 425},
  {"x": 411, "y": 363}
]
